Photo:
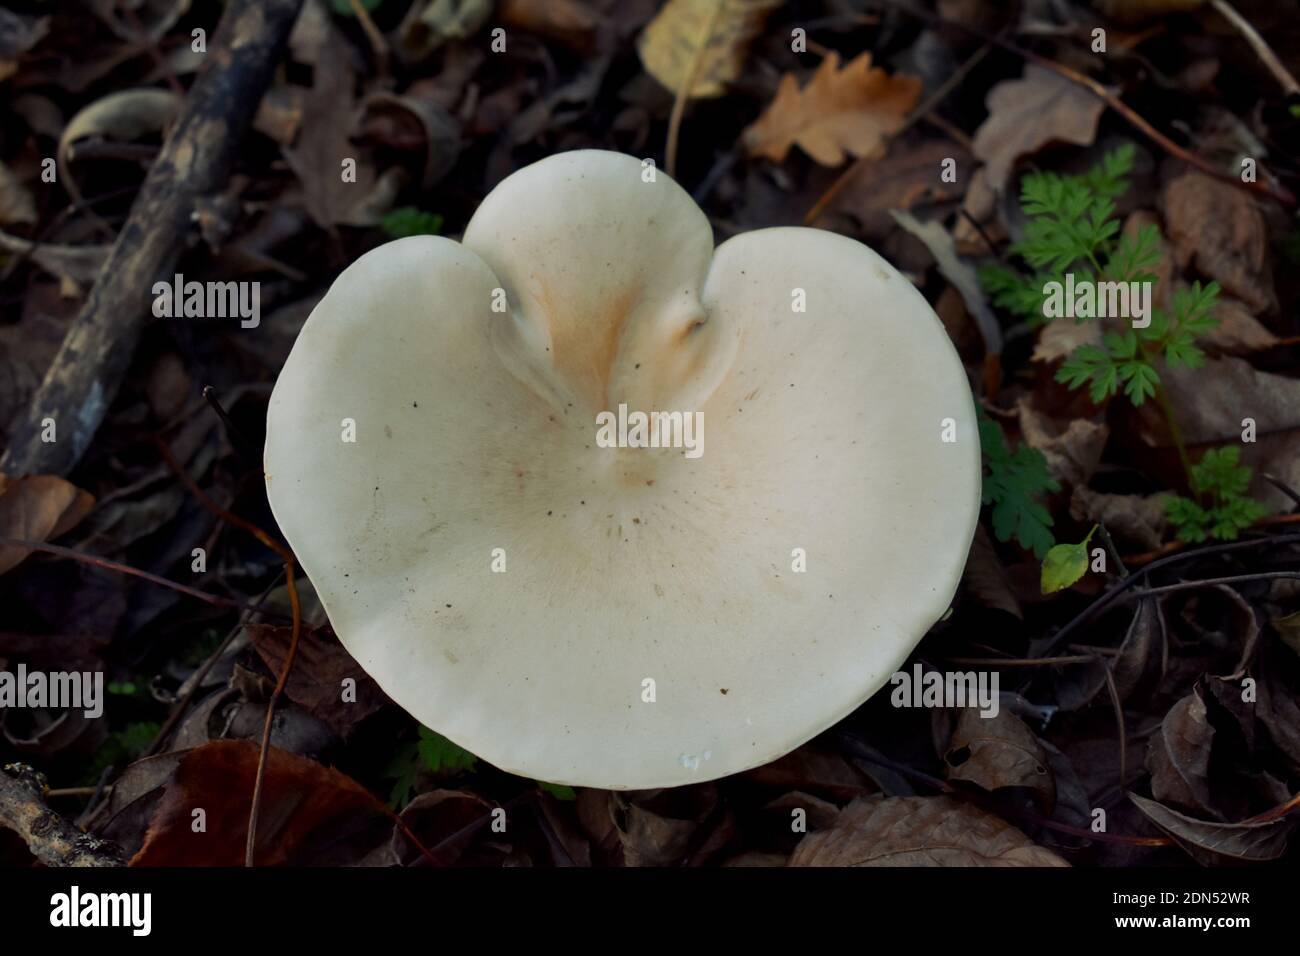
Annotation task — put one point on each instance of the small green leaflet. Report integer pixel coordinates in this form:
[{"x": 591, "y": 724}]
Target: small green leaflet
[
  {"x": 410, "y": 221},
  {"x": 1012, "y": 484},
  {"x": 558, "y": 790},
  {"x": 1224, "y": 508},
  {"x": 1065, "y": 564},
  {"x": 440, "y": 755}
]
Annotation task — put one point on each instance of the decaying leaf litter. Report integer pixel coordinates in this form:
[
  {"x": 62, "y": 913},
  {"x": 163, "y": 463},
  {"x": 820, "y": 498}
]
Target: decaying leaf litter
[{"x": 1162, "y": 691}]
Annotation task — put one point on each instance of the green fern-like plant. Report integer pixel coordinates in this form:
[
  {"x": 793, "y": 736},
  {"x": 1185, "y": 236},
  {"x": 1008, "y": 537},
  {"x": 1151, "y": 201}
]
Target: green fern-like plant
[
  {"x": 1013, "y": 485},
  {"x": 1072, "y": 228}
]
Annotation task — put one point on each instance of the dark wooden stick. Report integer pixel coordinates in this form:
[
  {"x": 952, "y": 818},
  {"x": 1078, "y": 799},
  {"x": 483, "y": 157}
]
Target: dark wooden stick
[{"x": 195, "y": 161}]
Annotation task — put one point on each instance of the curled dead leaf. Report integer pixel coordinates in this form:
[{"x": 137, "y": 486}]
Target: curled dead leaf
[
  {"x": 998, "y": 752},
  {"x": 1219, "y": 844},
  {"x": 123, "y": 116},
  {"x": 961, "y": 274},
  {"x": 1178, "y": 757}
]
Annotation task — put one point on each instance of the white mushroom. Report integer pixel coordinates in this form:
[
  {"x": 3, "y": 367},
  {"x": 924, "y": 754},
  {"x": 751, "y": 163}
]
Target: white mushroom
[{"x": 624, "y": 617}]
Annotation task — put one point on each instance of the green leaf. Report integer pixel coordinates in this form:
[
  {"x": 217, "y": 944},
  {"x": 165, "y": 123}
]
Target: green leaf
[
  {"x": 1225, "y": 510},
  {"x": 1065, "y": 564},
  {"x": 558, "y": 790},
  {"x": 410, "y": 221},
  {"x": 1140, "y": 380},
  {"x": 1012, "y": 484},
  {"x": 440, "y": 755},
  {"x": 1010, "y": 290},
  {"x": 403, "y": 769}
]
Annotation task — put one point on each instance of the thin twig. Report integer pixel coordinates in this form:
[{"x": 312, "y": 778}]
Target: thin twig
[
  {"x": 375, "y": 38},
  {"x": 1279, "y": 194},
  {"x": 1281, "y": 486},
  {"x": 1119, "y": 720},
  {"x": 1259, "y": 45},
  {"x": 96, "y": 561},
  {"x": 1212, "y": 582},
  {"x": 196, "y": 679},
  {"x": 1110, "y": 546},
  {"x": 295, "y": 606},
  {"x": 1105, "y": 600},
  {"x": 1019, "y": 661}
]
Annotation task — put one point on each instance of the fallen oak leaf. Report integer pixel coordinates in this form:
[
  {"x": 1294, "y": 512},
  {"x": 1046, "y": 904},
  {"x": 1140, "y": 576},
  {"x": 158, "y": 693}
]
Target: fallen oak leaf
[
  {"x": 920, "y": 831},
  {"x": 853, "y": 110},
  {"x": 670, "y": 43}
]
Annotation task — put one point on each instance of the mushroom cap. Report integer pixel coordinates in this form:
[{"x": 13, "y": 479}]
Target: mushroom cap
[{"x": 649, "y": 628}]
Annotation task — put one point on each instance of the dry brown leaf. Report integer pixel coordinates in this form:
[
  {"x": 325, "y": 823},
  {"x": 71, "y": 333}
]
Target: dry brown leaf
[
  {"x": 1056, "y": 340},
  {"x": 1178, "y": 757},
  {"x": 570, "y": 23},
  {"x": 323, "y": 144},
  {"x": 670, "y": 42},
  {"x": 920, "y": 831},
  {"x": 1221, "y": 230},
  {"x": 316, "y": 680},
  {"x": 310, "y": 814},
  {"x": 16, "y": 202},
  {"x": 37, "y": 508},
  {"x": 1238, "y": 332},
  {"x": 985, "y": 577},
  {"x": 1212, "y": 400},
  {"x": 997, "y": 752},
  {"x": 1027, "y": 114},
  {"x": 814, "y": 771},
  {"x": 907, "y": 176},
  {"x": 1073, "y": 450},
  {"x": 853, "y": 110},
  {"x": 447, "y": 819},
  {"x": 1131, "y": 519},
  {"x": 1218, "y": 844}
]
